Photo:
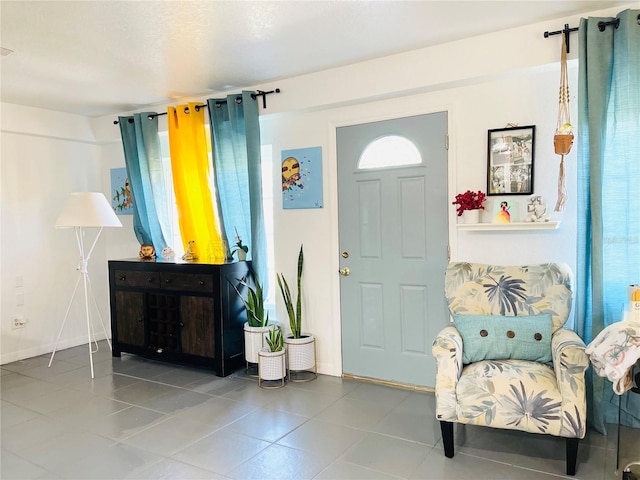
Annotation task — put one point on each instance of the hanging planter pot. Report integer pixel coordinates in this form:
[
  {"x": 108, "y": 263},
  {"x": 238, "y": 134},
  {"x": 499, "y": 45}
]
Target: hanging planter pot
[
  {"x": 562, "y": 143},
  {"x": 301, "y": 353},
  {"x": 563, "y": 139},
  {"x": 272, "y": 367}
]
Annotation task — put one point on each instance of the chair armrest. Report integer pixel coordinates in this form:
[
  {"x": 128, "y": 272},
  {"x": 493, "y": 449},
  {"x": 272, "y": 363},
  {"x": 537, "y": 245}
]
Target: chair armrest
[
  {"x": 447, "y": 350},
  {"x": 567, "y": 350},
  {"x": 570, "y": 362}
]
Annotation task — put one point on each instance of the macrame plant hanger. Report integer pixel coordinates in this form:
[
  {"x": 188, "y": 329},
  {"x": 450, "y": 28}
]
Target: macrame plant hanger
[{"x": 563, "y": 139}]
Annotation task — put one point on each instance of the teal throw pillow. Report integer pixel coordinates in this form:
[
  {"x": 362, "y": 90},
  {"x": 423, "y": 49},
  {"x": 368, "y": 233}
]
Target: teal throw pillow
[{"x": 494, "y": 337}]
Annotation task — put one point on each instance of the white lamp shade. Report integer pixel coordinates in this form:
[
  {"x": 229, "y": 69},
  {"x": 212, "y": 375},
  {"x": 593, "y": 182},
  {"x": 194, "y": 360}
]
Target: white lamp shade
[{"x": 87, "y": 209}]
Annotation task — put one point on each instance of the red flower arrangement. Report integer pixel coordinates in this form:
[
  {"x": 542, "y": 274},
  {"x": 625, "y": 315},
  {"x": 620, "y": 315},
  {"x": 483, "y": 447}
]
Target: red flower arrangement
[{"x": 469, "y": 201}]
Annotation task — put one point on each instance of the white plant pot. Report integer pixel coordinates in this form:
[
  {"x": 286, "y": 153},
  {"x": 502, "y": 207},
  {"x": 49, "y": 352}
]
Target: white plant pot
[
  {"x": 254, "y": 340},
  {"x": 301, "y": 352},
  {"x": 471, "y": 216},
  {"x": 272, "y": 366}
]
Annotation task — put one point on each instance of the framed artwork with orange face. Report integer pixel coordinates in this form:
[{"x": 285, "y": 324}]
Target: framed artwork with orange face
[{"x": 302, "y": 178}]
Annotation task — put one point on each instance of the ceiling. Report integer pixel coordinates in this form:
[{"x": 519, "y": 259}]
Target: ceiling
[{"x": 98, "y": 58}]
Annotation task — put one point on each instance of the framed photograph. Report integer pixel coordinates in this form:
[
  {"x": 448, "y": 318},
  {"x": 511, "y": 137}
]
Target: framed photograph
[{"x": 510, "y": 160}]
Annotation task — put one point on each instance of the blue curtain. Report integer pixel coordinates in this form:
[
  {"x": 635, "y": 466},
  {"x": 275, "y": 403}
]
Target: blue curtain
[
  {"x": 235, "y": 138},
  {"x": 608, "y": 191},
  {"x": 143, "y": 160}
]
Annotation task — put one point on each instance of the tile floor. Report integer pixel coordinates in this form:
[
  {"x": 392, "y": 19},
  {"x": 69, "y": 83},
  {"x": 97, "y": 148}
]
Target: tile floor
[{"x": 140, "y": 419}]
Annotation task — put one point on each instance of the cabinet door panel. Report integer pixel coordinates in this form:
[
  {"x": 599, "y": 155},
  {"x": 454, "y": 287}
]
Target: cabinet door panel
[
  {"x": 130, "y": 317},
  {"x": 197, "y": 327}
]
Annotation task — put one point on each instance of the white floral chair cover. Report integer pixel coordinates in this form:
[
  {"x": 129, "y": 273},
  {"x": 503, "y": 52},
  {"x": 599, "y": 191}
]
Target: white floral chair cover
[{"x": 512, "y": 394}]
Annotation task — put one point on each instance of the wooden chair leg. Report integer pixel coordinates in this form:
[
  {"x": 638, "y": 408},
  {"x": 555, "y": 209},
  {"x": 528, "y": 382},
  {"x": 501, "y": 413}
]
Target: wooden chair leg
[
  {"x": 447, "y": 438},
  {"x": 572, "y": 455}
]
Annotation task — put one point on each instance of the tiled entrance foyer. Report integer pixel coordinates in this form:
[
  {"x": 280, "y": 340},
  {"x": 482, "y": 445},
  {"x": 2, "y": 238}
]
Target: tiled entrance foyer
[{"x": 141, "y": 419}]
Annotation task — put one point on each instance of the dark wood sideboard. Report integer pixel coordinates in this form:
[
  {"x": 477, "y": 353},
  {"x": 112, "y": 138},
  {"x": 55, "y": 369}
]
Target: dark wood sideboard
[{"x": 180, "y": 312}]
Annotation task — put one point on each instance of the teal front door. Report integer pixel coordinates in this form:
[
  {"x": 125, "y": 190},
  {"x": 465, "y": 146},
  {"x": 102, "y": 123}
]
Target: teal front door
[{"x": 392, "y": 199}]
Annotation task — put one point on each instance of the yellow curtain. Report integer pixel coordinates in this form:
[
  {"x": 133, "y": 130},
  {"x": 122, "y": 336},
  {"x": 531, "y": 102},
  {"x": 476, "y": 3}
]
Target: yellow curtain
[{"x": 191, "y": 176}]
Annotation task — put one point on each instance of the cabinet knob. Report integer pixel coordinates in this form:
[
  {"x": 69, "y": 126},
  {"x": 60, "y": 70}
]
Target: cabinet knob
[
  {"x": 159, "y": 350},
  {"x": 182, "y": 324},
  {"x": 201, "y": 283},
  {"x": 141, "y": 319},
  {"x": 123, "y": 278},
  {"x": 150, "y": 279},
  {"x": 167, "y": 280}
]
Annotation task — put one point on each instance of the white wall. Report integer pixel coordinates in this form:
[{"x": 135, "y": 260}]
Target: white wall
[
  {"x": 45, "y": 156},
  {"x": 484, "y": 83},
  {"x": 526, "y": 99}
]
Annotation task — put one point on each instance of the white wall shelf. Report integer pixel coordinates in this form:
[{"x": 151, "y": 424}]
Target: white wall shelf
[{"x": 508, "y": 226}]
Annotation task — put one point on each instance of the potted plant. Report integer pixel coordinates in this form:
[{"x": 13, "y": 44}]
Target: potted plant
[
  {"x": 563, "y": 139},
  {"x": 240, "y": 248},
  {"x": 301, "y": 347},
  {"x": 256, "y": 326},
  {"x": 271, "y": 360},
  {"x": 275, "y": 339},
  {"x": 470, "y": 202}
]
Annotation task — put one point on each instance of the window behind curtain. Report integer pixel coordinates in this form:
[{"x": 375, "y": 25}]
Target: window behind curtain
[{"x": 175, "y": 239}]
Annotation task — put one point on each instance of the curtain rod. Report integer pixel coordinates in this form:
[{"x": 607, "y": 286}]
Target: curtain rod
[
  {"x": 566, "y": 30},
  {"x": 219, "y": 103}
]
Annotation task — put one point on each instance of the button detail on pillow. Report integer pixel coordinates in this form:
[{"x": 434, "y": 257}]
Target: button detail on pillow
[{"x": 495, "y": 337}]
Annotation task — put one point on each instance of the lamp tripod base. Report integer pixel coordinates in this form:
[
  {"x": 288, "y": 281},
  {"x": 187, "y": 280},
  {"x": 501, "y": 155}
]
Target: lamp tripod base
[{"x": 83, "y": 274}]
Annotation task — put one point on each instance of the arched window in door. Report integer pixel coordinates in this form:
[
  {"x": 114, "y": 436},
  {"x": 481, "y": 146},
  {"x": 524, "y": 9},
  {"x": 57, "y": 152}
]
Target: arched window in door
[{"x": 389, "y": 151}]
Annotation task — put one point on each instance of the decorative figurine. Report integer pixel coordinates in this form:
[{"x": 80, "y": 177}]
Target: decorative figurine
[
  {"x": 168, "y": 253},
  {"x": 147, "y": 252},
  {"x": 190, "y": 254},
  {"x": 536, "y": 210}
]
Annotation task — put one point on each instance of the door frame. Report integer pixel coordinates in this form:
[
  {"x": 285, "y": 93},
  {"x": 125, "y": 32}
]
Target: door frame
[{"x": 334, "y": 242}]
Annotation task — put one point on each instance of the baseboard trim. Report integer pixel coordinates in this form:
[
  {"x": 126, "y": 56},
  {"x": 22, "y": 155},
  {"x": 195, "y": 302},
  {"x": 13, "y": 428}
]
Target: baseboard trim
[
  {"x": 36, "y": 351},
  {"x": 388, "y": 383}
]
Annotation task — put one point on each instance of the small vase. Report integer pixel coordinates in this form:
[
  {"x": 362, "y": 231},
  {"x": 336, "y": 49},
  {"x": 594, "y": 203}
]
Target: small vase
[
  {"x": 471, "y": 216},
  {"x": 242, "y": 255}
]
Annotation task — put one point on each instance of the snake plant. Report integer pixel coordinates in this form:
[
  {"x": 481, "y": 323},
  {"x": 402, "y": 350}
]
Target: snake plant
[
  {"x": 295, "y": 316},
  {"x": 257, "y": 316},
  {"x": 274, "y": 339}
]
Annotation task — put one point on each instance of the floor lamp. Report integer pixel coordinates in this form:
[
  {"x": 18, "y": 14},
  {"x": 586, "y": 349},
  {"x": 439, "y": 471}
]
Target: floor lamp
[{"x": 86, "y": 210}]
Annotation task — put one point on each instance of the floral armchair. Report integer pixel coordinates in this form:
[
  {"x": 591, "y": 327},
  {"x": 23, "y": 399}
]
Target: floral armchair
[{"x": 505, "y": 361}]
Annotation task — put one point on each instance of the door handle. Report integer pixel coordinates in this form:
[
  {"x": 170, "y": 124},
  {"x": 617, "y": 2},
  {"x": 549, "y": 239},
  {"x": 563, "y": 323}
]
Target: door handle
[{"x": 344, "y": 271}]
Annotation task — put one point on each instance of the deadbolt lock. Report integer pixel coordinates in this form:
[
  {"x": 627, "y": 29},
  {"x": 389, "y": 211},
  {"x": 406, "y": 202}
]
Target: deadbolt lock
[{"x": 345, "y": 254}]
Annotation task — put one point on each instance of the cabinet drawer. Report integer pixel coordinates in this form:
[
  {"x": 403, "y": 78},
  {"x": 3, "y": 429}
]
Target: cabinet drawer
[
  {"x": 132, "y": 278},
  {"x": 187, "y": 282}
]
